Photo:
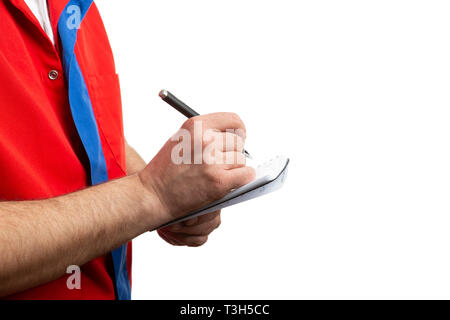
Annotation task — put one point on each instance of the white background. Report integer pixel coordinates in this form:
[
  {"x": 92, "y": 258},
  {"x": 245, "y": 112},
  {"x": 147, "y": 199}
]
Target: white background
[{"x": 356, "y": 93}]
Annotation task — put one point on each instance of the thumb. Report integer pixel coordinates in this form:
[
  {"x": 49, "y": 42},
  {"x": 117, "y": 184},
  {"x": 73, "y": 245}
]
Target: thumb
[{"x": 240, "y": 176}]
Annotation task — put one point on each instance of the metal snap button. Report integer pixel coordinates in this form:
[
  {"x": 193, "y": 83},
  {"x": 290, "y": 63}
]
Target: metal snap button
[{"x": 53, "y": 75}]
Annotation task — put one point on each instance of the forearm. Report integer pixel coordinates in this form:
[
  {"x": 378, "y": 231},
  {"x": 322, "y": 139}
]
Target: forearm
[
  {"x": 135, "y": 163},
  {"x": 40, "y": 239}
]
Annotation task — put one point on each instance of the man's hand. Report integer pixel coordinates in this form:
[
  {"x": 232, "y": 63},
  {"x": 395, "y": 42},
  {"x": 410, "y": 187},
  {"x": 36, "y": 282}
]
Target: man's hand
[
  {"x": 182, "y": 188},
  {"x": 193, "y": 232}
]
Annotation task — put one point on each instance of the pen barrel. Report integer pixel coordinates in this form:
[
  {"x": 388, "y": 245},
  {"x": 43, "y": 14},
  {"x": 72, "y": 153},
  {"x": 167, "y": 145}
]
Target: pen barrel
[
  {"x": 179, "y": 105},
  {"x": 184, "y": 109}
]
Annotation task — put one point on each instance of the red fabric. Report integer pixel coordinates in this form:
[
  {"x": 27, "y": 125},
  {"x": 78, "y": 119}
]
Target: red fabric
[{"x": 41, "y": 155}]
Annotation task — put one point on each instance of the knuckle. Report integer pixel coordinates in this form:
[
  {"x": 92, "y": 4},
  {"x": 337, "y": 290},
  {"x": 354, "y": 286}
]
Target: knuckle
[
  {"x": 239, "y": 122},
  {"x": 242, "y": 133},
  {"x": 241, "y": 160},
  {"x": 189, "y": 124},
  {"x": 197, "y": 241},
  {"x": 235, "y": 117},
  {"x": 240, "y": 142},
  {"x": 213, "y": 226},
  {"x": 212, "y": 137}
]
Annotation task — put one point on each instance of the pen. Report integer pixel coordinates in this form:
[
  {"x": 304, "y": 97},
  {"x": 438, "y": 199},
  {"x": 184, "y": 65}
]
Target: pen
[{"x": 184, "y": 109}]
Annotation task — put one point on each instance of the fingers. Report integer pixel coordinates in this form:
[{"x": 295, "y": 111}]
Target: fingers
[
  {"x": 209, "y": 216},
  {"x": 238, "y": 177},
  {"x": 183, "y": 240},
  {"x": 230, "y": 159},
  {"x": 222, "y": 134},
  {"x": 231, "y": 142},
  {"x": 204, "y": 226},
  {"x": 193, "y": 178},
  {"x": 225, "y": 141},
  {"x": 204, "y": 229},
  {"x": 234, "y": 160},
  {"x": 166, "y": 238},
  {"x": 190, "y": 222},
  {"x": 192, "y": 235},
  {"x": 199, "y": 219},
  {"x": 223, "y": 121}
]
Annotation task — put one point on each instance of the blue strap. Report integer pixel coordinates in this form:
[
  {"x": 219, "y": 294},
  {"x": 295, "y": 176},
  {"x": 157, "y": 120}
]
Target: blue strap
[{"x": 84, "y": 118}]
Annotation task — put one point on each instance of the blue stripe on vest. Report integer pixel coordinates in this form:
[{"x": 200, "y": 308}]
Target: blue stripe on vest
[{"x": 84, "y": 118}]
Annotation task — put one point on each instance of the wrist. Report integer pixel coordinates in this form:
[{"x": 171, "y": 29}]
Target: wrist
[{"x": 151, "y": 211}]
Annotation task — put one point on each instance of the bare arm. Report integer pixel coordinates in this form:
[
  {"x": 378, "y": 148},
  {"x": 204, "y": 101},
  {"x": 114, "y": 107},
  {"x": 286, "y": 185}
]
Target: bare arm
[
  {"x": 40, "y": 239},
  {"x": 135, "y": 163}
]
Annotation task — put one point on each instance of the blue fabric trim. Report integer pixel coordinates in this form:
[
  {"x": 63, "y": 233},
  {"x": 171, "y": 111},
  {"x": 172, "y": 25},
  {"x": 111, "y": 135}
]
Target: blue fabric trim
[{"x": 84, "y": 118}]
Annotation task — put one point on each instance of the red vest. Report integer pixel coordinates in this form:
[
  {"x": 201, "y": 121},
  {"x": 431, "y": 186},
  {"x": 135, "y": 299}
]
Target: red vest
[{"x": 41, "y": 154}]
